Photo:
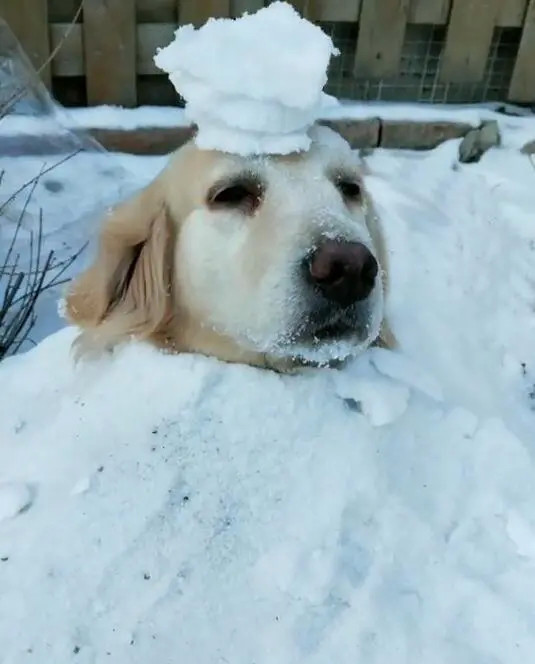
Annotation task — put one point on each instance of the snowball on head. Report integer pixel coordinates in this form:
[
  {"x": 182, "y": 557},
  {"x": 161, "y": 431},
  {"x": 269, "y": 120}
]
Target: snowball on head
[{"x": 254, "y": 84}]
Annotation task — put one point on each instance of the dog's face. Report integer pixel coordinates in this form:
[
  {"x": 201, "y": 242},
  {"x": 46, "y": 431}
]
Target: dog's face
[{"x": 242, "y": 258}]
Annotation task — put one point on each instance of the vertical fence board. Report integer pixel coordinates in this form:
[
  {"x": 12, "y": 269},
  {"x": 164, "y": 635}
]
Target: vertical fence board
[
  {"x": 468, "y": 40},
  {"x": 380, "y": 39},
  {"x": 238, "y": 7},
  {"x": 29, "y": 21},
  {"x": 199, "y": 11},
  {"x": 62, "y": 11},
  {"x": 334, "y": 10},
  {"x": 300, "y": 5},
  {"x": 150, "y": 37},
  {"x": 155, "y": 11},
  {"x": 429, "y": 11},
  {"x": 522, "y": 88},
  {"x": 109, "y": 31},
  {"x": 69, "y": 60},
  {"x": 512, "y": 13}
]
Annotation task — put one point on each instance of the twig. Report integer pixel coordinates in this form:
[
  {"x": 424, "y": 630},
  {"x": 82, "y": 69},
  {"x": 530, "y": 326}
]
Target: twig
[{"x": 25, "y": 287}]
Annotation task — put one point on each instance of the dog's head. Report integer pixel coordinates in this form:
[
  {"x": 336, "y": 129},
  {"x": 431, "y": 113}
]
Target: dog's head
[{"x": 267, "y": 260}]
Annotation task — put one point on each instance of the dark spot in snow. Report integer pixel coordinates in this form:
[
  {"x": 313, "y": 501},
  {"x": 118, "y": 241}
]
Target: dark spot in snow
[
  {"x": 132, "y": 642},
  {"x": 146, "y": 576},
  {"x": 353, "y": 405},
  {"x": 108, "y": 172},
  {"x": 30, "y": 651},
  {"x": 76, "y": 650},
  {"x": 154, "y": 431},
  {"x": 53, "y": 186},
  {"x": 185, "y": 499},
  {"x": 153, "y": 449},
  {"x": 100, "y": 469},
  {"x": 4, "y": 559},
  {"x": 20, "y": 425},
  {"x": 524, "y": 368}
]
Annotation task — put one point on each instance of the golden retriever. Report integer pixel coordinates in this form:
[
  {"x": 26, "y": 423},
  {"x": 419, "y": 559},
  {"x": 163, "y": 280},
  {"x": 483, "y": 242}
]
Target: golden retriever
[{"x": 272, "y": 261}]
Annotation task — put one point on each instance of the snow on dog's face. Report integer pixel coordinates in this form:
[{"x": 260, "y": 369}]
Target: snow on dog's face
[{"x": 266, "y": 260}]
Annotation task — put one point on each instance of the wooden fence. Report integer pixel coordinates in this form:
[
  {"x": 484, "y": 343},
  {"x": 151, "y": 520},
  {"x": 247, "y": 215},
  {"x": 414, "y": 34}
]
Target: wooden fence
[{"x": 106, "y": 58}]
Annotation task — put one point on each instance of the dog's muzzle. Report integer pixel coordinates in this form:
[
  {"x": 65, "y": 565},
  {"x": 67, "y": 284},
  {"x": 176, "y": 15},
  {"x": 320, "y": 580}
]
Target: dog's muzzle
[
  {"x": 341, "y": 276},
  {"x": 341, "y": 272}
]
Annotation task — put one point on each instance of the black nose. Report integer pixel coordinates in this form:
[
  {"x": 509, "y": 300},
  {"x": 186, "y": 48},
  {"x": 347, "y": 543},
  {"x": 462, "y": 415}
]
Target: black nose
[{"x": 344, "y": 272}]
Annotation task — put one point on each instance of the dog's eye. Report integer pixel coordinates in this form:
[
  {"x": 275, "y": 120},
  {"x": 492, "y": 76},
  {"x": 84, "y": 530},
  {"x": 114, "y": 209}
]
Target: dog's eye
[
  {"x": 243, "y": 196},
  {"x": 350, "y": 190}
]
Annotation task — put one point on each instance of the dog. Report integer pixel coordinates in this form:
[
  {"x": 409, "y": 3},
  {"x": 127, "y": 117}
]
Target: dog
[{"x": 272, "y": 261}]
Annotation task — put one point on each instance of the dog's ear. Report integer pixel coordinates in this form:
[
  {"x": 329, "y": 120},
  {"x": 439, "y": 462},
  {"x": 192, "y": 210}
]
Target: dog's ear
[
  {"x": 127, "y": 292},
  {"x": 386, "y": 336}
]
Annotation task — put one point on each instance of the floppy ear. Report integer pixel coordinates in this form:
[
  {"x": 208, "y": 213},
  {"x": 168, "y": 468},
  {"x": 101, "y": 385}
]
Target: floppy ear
[
  {"x": 127, "y": 292},
  {"x": 386, "y": 336}
]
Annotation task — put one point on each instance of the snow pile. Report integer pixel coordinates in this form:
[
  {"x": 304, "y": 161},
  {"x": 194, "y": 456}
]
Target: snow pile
[
  {"x": 177, "y": 509},
  {"x": 252, "y": 85},
  {"x": 242, "y": 516}
]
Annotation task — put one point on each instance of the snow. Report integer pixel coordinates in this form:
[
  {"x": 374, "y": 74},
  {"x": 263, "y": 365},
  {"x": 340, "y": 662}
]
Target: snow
[
  {"x": 517, "y": 126},
  {"x": 252, "y": 85},
  {"x": 178, "y": 509},
  {"x": 73, "y": 190},
  {"x": 14, "y": 499}
]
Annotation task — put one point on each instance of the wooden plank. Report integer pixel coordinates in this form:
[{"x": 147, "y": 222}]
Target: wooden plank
[
  {"x": 358, "y": 133},
  {"x": 63, "y": 11},
  {"x": 468, "y": 40},
  {"x": 239, "y": 7},
  {"x": 432, "y": 12},
  {"x": 156, "y": 11},
  {"x": 150, "y": 36},
  {"x": 69, "y": 60},
  {"x": 300, "y": 5},
  {"x": 522, "y": 88},
  {"x": 199, "y": 11},
  {"x": 380, "y": 40},
  {"x": 109, "y": 36},
  {"x": 512, "y": 13},
  {"x": 28, "y": 19},
  {"x": 406, "y": 135},
  {"x": 162, "y": 140},
  {"x": 334, "y": 10}
]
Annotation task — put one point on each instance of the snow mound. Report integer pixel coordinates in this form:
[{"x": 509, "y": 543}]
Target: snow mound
[
  {"x": 15, "y": 497},
  {"x": 177, "y": 509},
  {"x": 252, "y": 85},
  {"x": 281, "y": 524}
]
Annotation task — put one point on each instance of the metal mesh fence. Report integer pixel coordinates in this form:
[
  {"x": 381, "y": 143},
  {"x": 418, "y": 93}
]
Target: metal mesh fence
[{"x": 419, "y": 76}]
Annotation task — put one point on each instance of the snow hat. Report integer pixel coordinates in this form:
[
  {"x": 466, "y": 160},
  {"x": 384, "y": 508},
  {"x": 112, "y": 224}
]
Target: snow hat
[{"x": 252, "y": 85}]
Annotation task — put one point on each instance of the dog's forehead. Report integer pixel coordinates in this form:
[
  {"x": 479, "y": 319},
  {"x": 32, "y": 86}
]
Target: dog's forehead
[{"x": 328, "y": 153}]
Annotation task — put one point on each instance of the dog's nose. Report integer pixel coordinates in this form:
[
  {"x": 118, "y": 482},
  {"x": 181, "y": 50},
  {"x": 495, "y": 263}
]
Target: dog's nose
[{"x": 344, "y": 272}]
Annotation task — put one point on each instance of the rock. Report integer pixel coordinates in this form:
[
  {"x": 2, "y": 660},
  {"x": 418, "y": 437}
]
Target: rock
[
  {"x": 478, "y": 141},
  {"x": 529, "y": 148}
]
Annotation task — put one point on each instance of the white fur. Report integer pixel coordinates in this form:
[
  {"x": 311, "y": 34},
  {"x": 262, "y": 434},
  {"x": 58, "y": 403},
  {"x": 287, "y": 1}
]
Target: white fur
[{"x": 302, "y": 206}]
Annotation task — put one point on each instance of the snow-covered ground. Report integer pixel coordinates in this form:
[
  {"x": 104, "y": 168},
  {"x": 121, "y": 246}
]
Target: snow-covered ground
[
  {"x": 180, "y": 510},
  {"x": 176, "y": 509}
]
